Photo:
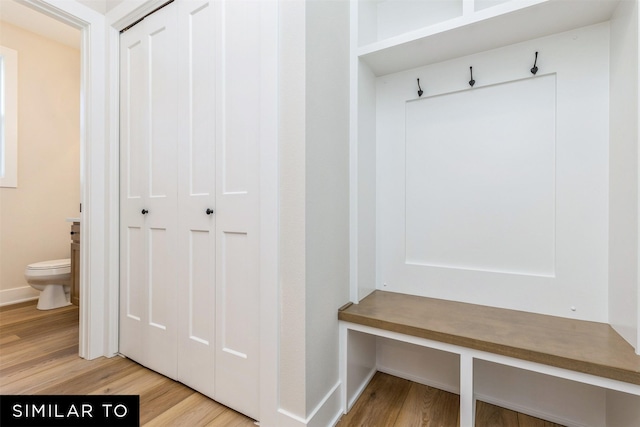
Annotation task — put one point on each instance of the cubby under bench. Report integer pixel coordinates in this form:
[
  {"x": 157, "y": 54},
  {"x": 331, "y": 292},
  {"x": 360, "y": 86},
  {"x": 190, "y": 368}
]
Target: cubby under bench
[{"x": 575, "y": 350}]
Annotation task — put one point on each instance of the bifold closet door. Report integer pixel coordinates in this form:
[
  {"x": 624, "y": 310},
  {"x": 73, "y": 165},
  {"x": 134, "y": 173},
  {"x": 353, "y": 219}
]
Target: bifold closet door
[
  {"x": 190, "y": 135},
  {"x": 238, "y": 133},
  {"x": 148, "y": 191},
  {"x": 197, "y": 211}
]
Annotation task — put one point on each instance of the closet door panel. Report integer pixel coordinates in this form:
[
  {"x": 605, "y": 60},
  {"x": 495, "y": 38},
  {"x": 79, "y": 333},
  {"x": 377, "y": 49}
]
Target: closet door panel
[
  {"x": 133, "y": 169},
  {"x": 238, "y": 291},
  {"x": 135, "y": 274},
  {"x": 162, "y": 218},
  {"x": 149, "y": 174},
  {"x": 235, "y": 288},
  {"x": 162, "y": 279},
  {"x": 163, "y": 84},
  {"x": 201, "y": 273},
  {"x": 134, "y": 119},
  {"x": 132, "y": 290},
  {"x": 199, "y": 37}
]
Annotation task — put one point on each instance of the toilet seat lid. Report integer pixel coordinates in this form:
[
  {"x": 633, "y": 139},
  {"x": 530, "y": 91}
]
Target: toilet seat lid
[{"x": 54, "y": 263}]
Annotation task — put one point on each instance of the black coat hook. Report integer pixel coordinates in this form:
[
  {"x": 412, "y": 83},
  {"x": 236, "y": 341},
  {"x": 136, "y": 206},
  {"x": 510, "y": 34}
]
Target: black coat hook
[
  {"x": 534, "y": 70},
  {"x": 471, "y": 82},
  {"x": 420, "y": 92}
]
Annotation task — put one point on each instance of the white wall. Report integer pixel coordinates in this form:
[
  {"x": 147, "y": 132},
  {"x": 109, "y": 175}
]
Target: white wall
[
  {"x": 623, "y": 176},
  {"x": 314, "y": 245},
  {"x": 570, "y": 278},
  {"x": 327, "y": 192},
  {"x": 366, "y": 186},
  {"x": 292, "y": 160},
  {"x": 32, "y": 216},
  {"x": 101, "y": 6}
]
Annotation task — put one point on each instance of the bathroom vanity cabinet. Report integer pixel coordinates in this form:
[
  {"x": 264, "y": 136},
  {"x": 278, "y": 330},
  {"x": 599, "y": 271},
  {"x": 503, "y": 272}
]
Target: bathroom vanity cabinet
[{"x": 75, "y": 263}]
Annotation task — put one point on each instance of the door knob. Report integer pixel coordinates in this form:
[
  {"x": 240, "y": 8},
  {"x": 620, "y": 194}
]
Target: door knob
[
  {"x": 209, "y": 211},
  {"x": 144, "y": 211}
]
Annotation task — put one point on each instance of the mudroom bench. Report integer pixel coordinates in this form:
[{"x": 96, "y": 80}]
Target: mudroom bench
[{"x": 576, "y": 350}]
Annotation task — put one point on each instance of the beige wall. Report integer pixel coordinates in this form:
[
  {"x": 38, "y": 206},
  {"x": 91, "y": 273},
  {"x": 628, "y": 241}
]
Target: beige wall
[{"x": 32, "y": 216}]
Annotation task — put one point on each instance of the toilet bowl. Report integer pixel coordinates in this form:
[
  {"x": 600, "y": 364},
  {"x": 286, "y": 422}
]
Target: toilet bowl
[{"x": 52, "y": 278}]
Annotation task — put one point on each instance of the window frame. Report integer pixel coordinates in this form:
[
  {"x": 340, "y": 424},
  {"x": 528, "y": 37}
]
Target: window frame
[{"x": 8, "y": 118}]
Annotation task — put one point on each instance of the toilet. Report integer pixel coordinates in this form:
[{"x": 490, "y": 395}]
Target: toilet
[{"x": 52, "y": 278}]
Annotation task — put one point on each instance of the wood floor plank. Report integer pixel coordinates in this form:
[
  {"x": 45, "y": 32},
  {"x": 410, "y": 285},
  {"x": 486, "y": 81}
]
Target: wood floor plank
[
  {"x": 424, "y": 406},
  {"x": 39, "y": 352},
  {"x": 230, "y": 418},
  {"x": 429, "y": 407},
  {"x": 32, "y": 372},
  {"x": 529, "y": 421},
  {"x": 14, "y": 353},
  {"x": 380, "y": 403},
  {"x": 139, "y": 380},
  {"x": 17, "y": 306},
  {"x": 156, "y": 400},
  {"x": 488, "y": 415},
  {"x": 4, "y": 340},
  {"x": 85, "y": 381},
  {"x": 30, "y": 313},
  {"x": 195, "y": 410}
]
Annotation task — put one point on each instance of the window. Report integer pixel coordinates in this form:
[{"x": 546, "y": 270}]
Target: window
[{"x": 8, "y": 117}]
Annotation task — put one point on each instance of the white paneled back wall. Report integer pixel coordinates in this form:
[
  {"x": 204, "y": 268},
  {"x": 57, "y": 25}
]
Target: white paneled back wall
[{"x": 498, "y": 194}]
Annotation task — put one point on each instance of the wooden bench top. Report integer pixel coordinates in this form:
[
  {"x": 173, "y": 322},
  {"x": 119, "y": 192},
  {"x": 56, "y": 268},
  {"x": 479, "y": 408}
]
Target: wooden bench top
[{"x": 582, "y": 346}]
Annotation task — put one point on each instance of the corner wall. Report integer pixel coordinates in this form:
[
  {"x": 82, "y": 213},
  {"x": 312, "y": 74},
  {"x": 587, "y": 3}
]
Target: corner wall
[
  {"x": 314, "y": 207},
  {"x": 623, "y": 173},
  {"x": 327, "y": 200}
]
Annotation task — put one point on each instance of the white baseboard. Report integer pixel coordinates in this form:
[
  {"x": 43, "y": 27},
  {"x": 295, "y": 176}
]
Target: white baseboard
[
  {"x": 16, "y": 295},
  {"x": 326, "y": 413},
  {"x": 360, "y": 390},
  {"x": 527, "y": 410},
  {"x": 419, "y": 380}
]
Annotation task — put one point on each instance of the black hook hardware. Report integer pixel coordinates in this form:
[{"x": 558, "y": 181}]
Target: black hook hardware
[
  {"x": 144, "y": 211},
  {"x": 209, "y": 211},
  {"x": 471, "y": 82},
  {"x": 534, "y": 70},
  {"x": 420, "y": 92}
]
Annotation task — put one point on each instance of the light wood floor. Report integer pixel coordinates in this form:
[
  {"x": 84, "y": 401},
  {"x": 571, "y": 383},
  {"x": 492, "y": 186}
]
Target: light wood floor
[
  {"x": 394, "y": 402},
  {"x": 38, "y": 355}
]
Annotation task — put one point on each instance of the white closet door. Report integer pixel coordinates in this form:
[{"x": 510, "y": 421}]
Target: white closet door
[
  {"x": 237, "y": 200},
  {"x": 148, "y": 196},
  {"x": 197, "y": 179},
  {"x": 190, "y": 142}
]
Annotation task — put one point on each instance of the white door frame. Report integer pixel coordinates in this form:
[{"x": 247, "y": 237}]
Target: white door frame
[
  {"x": 99, "y": 173},
  {"x": 96, "y": 224}
]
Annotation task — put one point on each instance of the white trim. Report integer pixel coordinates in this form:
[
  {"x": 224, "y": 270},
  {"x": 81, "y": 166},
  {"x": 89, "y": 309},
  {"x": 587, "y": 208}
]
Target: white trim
[
  {"x": 353, "y": 154},
  {"x": 527, "y": 410},
  {"x": 113, "y": 201},
  {"x": 352, "y": 400},
  {"x": 16, "y": 295},
  {"x": 289, "y": 419},
  {"x": 93, "y": 162},
  {"x": 326, "y": 413},
  {"x": 269, "y": 214},
  {"x": 9, "y": 165},
  {"x": 419, "y": 379}
]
